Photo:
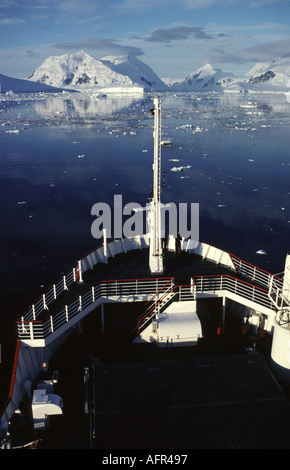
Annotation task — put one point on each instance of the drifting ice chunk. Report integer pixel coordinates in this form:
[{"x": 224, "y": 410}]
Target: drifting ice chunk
[
  {"x": 166, "y": 143},
  {"x": 261, "y": 252},
  {"x": 180, "y": 168}
]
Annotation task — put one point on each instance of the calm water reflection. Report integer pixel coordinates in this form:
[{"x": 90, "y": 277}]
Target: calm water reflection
[{"x": 62, "y": 153}]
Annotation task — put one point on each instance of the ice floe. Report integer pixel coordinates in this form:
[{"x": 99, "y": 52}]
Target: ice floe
[
  {"x": 180, "y": 168},
  {"x": 261, "y": 252}
]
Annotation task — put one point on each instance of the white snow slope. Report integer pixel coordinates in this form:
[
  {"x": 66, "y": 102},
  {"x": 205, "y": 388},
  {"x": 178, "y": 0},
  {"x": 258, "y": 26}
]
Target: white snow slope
[
  {"x": 206, "y": 78},
  {"x": 269, "y": 76},
  {"x": 263, "y": 77},
  {"x": 81, "y": 71},
  {"x": 18, "y": 85}
]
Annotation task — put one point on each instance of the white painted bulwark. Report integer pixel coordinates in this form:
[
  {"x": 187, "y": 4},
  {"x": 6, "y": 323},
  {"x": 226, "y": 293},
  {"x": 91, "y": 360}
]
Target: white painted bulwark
[{"x": 280, "y": 353}]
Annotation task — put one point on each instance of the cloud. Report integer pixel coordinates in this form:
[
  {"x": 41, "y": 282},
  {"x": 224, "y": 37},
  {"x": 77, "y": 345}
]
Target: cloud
[
  {"x": 101, "y": 46},
  {"x": 198, "y": 4},
  {"x": 32, "y": 54},
  {"x": 11, "y": 21},
  {"x": 128, "y": 6},
  {"x": 260, "y": 53},
  {"x": 76, "y": 6},
  {"x": 8, "y": 3},
  {"x": 177, "y": 33}
]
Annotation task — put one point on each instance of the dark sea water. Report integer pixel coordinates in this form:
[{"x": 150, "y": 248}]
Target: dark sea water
[{"x": 62, "y": 153}]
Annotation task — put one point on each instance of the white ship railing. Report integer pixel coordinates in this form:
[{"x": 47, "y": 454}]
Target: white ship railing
[
  {"x": 76, "y": 273},
  {"x": 114, "y": 291},
  {"x": 52, "y": 294},
  {"x": 30, "y": 327},
  {"x": 256, "y": 274},
  {"x": 216, "y": 285},
  {"x": 116, "y": 247}
]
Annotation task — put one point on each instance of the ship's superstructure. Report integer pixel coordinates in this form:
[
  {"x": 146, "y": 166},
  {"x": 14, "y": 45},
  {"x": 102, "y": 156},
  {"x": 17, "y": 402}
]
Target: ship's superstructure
[
  {"x": 193, "y": 302},
  {"x": 280, "y": 296}
]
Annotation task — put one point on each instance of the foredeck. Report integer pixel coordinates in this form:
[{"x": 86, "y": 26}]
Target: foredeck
[
  {"x": 114, "y": 345},
  {"x": 129, "y": 274}
]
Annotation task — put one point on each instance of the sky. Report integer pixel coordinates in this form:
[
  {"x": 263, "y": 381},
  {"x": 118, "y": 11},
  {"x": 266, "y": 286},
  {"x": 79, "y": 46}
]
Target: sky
[{"x": 173, "y": 37}]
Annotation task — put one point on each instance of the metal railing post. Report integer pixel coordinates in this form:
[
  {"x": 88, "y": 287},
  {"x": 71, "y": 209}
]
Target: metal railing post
[
  {"x": 80, "y": 271},
  {"x": 45, "y": 307},
  {"x": 51, "y": 324},
  {"x": 31, "y": 330}
]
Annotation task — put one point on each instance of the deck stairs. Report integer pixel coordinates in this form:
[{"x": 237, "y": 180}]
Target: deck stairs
[
  {"x": 171, "y": 321},
  {"x": 155, "y": 305}
]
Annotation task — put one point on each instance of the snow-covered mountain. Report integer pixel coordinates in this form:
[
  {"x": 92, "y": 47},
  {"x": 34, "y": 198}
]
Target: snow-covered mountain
[
  {"x": 269, "y": 76},
  {"x": 81, "y": 71},
  {"x": 140, "y": 73},
  {"x": 206, "y": 78},
  {"x": 18, "y": 85},
  {"x": 263, "y": 77},
  {"x": 172, "y": 82}
]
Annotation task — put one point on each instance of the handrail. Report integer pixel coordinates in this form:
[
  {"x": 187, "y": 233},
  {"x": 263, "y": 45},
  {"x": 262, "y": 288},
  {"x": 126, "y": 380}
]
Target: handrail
[
  {"x": 156, "y": 308},
  {"x": 72, "y": 276},
  {"x": 153, "y": 309},
  {"x": 171, "y": 279},
  {"x": 32, "y": 329},
  {"x": 276, "y": 294},
  {"x": 171, "y": 282},
  {"x": 46, "y": 299},
  {"x": 253, "y": 272},
  {"x": 75, "y": 274},
  {"x": 237, "y": 286},
  {"x": 135, "y": 279}
]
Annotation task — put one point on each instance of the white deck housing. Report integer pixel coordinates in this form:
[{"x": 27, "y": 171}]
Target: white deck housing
[{"x": 178, "y": 325}]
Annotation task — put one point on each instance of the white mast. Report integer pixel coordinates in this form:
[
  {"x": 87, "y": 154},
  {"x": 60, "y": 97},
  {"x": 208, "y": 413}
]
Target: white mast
[
  {"x": 155, "y": 249},
  {"x": 286, "y": 282}
]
